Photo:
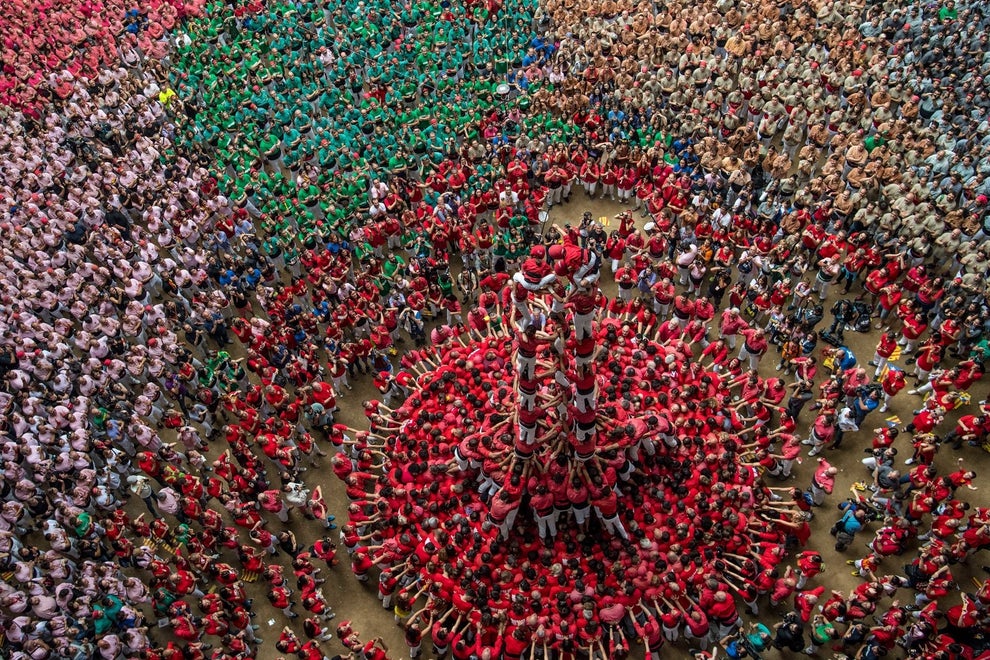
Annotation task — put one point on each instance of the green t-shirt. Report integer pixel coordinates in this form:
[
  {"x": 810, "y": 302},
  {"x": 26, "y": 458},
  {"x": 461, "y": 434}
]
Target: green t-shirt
[
  {"x": 394, "y": 264},
  {"x": 874, "y": 141},
  {"x": 83, "y": 523},
  {"x": 823, "y": 632}
]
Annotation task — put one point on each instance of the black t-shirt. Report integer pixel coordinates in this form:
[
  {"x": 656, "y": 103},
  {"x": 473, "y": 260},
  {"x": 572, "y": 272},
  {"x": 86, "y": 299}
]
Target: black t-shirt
[
  {"x": 791, "y": 635},
  {"x": 193, "y": 336},
  {"x": 872, "y": 651}
]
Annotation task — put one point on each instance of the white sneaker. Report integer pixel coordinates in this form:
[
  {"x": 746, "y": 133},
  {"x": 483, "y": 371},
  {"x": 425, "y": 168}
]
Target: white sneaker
[
  {"x": 883, "y": 408},
  {"x": 909, "y": 461},
  {"x": 912, "y": 391}
]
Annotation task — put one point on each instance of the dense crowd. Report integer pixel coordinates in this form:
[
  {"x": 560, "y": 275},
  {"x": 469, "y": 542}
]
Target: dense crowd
[
  {"x": 47, "y": 45},
  {"x": 299, "y": 180}
]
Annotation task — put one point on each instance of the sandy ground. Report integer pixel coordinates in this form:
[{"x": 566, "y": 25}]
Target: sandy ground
[{"x": 357, "y": 602}]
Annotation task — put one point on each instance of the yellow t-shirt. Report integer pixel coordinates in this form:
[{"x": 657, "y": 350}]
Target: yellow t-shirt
[{"x": 166, "y": 95}]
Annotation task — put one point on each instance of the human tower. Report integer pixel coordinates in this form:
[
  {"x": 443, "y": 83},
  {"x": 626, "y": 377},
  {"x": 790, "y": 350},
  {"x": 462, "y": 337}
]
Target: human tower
[{"x": 562, "y": 448}]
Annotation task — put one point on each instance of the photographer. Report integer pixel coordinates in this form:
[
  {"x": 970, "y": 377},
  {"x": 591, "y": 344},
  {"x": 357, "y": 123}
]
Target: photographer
[
  {"x": 740, "y": 644},
  {"x": 844, "y": 530},
  {"x": 867, "y": 401},
  {"x": 808, "y": 317},
  {"x": 843, "y": 312},
  {"x": 597, "y": 237},
  {"x": 584, "y": 229},
  {"x": 822, "y": 632},
  {"x": 789, "y": 633}
]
